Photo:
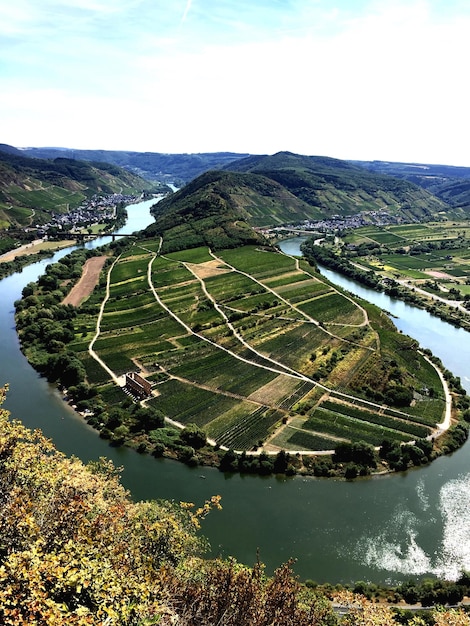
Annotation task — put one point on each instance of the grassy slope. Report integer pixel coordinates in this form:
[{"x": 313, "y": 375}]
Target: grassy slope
[{"x": 218, "y": 209}]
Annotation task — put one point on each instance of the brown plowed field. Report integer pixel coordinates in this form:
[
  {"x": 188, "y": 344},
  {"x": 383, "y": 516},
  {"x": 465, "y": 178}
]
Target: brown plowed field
[{"x": 87, "y": 282}]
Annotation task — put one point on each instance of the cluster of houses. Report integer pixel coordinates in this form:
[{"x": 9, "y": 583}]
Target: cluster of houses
[
  {"x": 339, "y": 222},
  {"x": 98, "y": 209}
]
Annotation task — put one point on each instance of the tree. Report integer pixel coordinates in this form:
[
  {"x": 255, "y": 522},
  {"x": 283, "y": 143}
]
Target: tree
[
  {"x": 193, "y": 436},
  {"x": 229, "y": 462},
  {"x": 265, "y": 463},
  {"x": 75, "y": 548},
  {"x": 398, "y": 395},
  {"x": 357, "y": 452},
  {"x": 116, "y": 416},
  {"x": 281, "y": 462},
  {"x": 146, "y": 419}
]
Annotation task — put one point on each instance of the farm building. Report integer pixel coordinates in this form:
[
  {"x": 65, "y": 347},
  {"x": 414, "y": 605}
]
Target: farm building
[{"x": 137, "y": 385}]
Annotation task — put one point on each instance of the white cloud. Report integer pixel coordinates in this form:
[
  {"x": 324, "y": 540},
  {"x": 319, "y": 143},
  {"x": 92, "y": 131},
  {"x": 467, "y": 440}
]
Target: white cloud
[
  {"x": 383, "y": 83},
  {"x": 186, "y": 10}
]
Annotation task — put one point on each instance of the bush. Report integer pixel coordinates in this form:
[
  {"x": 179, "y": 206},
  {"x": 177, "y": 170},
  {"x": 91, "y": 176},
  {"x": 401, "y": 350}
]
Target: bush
[{"x": 193, "y": 436}]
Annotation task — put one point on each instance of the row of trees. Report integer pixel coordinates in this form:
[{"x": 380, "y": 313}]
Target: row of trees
[
  {"x": 46, "y": 326},
  {"x": 350, "y": 459}
]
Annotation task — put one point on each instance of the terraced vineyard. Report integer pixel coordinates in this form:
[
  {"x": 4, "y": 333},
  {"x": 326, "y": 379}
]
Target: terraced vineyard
[{"x": 258, "y": 350}]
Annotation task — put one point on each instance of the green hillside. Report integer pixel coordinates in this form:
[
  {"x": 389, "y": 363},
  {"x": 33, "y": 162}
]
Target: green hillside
[
  {"x": 219, "y": 209},
  {"x": 176, "y": 168},
  {"x": 449, "y": 183},
  {"x": 335, "y": 187},
  {"x": 36, "y": 187}
]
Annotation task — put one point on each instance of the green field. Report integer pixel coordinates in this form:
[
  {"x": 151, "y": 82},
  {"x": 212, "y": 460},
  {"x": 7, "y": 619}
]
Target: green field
[
  {"x": 425, "y": 250},
  {"x": 235, "y": 344}
]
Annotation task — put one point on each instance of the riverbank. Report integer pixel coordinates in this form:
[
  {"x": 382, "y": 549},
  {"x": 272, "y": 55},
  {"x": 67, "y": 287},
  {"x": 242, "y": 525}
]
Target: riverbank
[
  {"x": 384, "y": 530},
  {"x": 38, "y": 245},
  {"x": 456, "y": 315}
]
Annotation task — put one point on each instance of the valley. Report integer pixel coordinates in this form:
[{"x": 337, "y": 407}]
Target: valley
[
  {"x": 248, "y": 360},
  {"x": 395, "y": 506}
]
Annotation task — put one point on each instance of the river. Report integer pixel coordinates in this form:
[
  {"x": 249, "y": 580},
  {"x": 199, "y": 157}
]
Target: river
[{"x": 382, "y": 530}]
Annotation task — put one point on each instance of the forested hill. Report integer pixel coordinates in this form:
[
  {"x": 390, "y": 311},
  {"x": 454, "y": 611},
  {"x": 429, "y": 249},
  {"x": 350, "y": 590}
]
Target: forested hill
[
  {"x": 45, "y": 185},
  {"x": 449, "y": 183},
  {"x": 335, "y": 187},
  {"x": 176, "y": 168},
  {"x": 219, "y": 209}
]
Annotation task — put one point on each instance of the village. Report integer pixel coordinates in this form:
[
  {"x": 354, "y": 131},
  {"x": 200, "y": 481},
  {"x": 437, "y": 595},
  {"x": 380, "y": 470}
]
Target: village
[
  {"x": 97, "y": 210},
  {"x": 339, "y": 223}
]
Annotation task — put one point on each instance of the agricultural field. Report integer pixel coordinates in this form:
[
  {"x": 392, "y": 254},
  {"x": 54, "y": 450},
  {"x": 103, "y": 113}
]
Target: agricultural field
[
  {"x": 434, "y": 257},
  {"x": 256, "y": 349},
  {"x": 51, "y": 198}
]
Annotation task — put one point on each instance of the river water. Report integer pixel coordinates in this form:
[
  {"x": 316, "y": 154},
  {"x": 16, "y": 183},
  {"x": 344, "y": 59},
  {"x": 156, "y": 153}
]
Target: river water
[{"x": 383, "y": 529}]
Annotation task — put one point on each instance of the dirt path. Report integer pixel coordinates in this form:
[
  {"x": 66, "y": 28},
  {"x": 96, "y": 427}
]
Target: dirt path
[
  {"x": 301, "y": 313},
  {"x": 287, "y": 371},
  {"x": 284, "y": 369},
  {"x": 118, "y": 381},
  {"x": 35, "y": 246},
  {"x": 88, "y": 281},
  {"x": 452, "y": 303},
  {"x": 276, "y": 367},
  {"x": 445, "y": 424}
]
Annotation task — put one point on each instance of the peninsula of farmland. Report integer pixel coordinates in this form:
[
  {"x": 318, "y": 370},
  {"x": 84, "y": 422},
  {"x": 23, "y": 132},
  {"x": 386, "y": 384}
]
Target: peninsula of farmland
[{"x": 204, "y": 342}]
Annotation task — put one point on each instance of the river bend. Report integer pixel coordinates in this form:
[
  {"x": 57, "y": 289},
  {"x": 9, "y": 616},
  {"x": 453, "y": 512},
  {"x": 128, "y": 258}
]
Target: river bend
[{"x": 383, "y": 529}]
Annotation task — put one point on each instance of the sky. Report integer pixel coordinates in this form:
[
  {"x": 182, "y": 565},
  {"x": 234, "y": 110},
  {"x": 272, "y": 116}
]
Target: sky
[{"x": 350, "y": 79}]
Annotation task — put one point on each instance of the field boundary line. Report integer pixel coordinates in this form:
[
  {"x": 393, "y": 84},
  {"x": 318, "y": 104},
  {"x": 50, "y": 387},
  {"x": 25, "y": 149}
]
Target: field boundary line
[{"x": 98, "y": 328}]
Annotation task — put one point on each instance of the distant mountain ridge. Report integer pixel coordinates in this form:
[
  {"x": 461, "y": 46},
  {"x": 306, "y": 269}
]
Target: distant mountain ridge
[
  {"x": 449, "y": 183},
  {"x": 266, "y": 190},
  {"x": 183, "y": 167},
  {"x": 160, "y": 166},
  {"x": 335, "y": 187},
  {"x": 220, "y": 208}
]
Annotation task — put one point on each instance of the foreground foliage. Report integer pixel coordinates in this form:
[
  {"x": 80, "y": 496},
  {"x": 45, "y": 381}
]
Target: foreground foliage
[{"x": 74, "y": 549}]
